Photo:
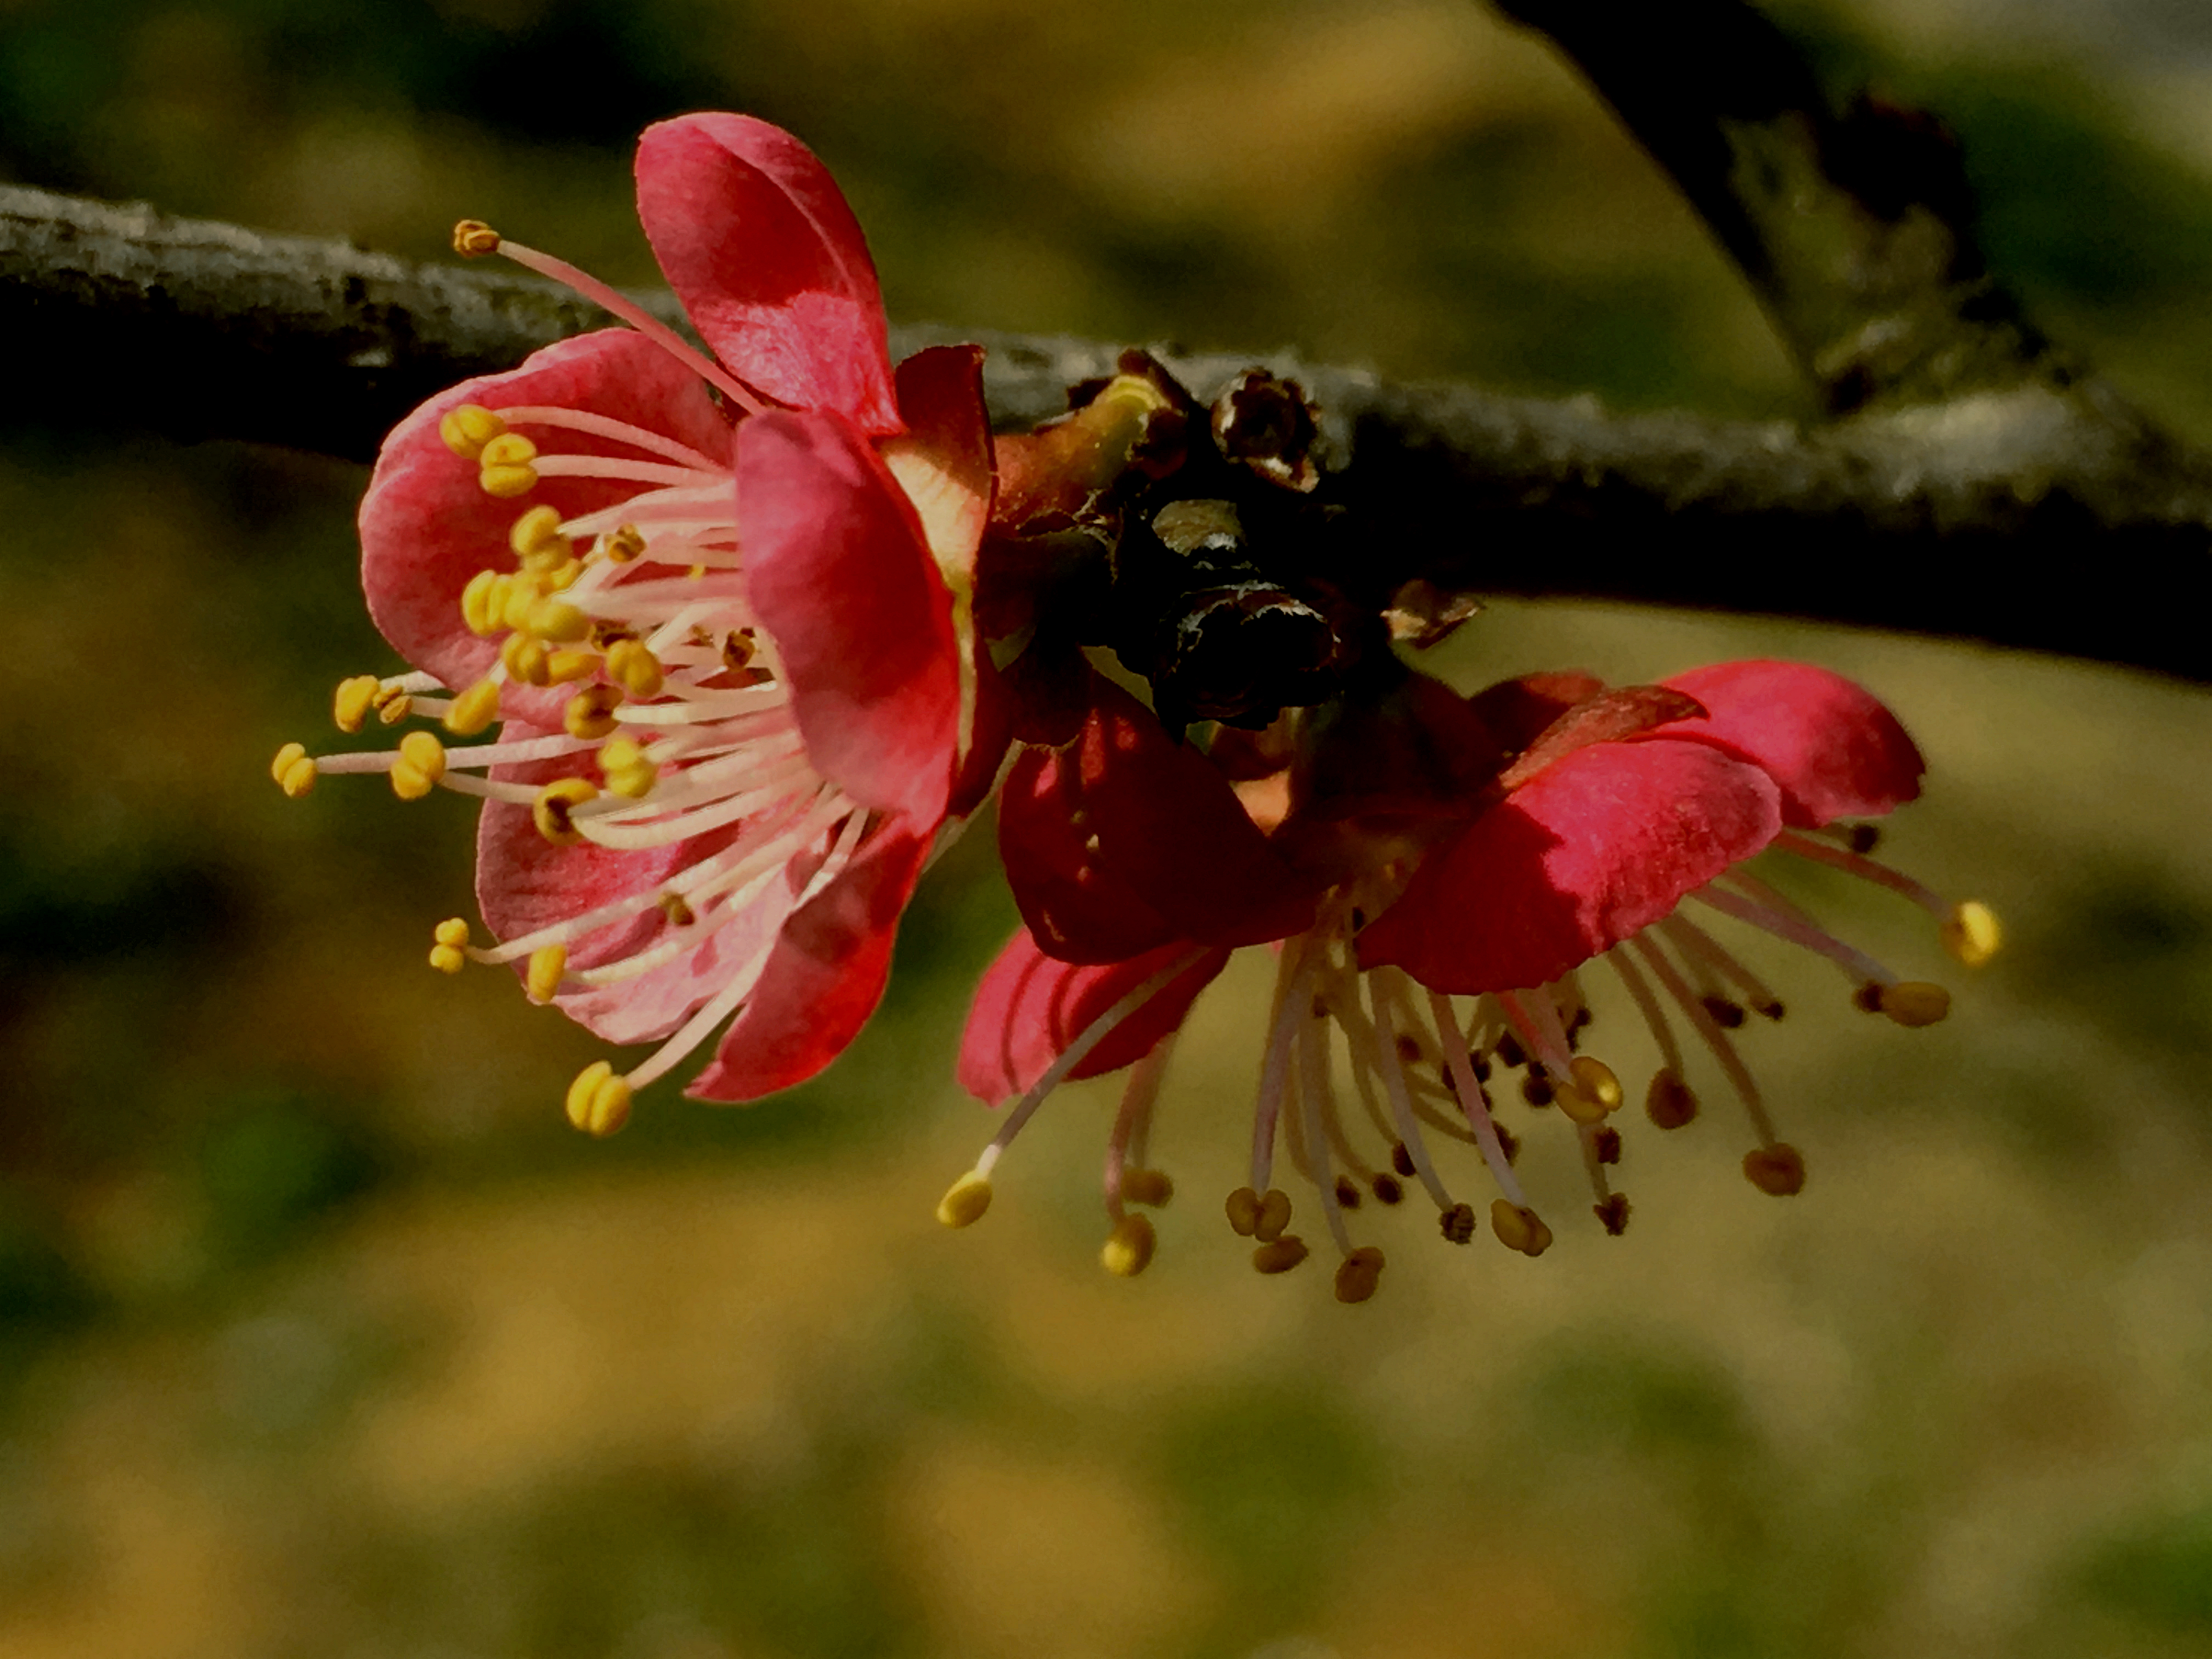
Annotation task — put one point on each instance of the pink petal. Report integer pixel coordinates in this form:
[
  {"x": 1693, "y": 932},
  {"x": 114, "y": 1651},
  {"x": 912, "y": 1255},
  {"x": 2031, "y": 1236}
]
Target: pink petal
[
  {"x": 524, "y": 882},
  {"x": 1029, "y": 1008},
  {"x": 943, "y": 461},
  {"x": 837, "y": 572},
  {"x": 1835, "y": 751},
  {"x": 759, "y": 244},
  {"x": 825, "y": 976},
  {"x": 426, "y": 527},
  {"x": 1602, "y": 844}
]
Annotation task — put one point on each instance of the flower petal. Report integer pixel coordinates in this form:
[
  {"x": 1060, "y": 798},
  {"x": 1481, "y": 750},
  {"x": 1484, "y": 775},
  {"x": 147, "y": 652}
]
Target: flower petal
[
  {"x": 943, "y": 461},
  {"x": 1030, "y": 1007},
  {"x": 427, "y": 526},
  {"x": 525, "y": 883},
  {"x": 825, "y": 976},
  {"x": 1128, "y": 837},
  {"x": 1601, "y": 845},
  {"x": 760, "y": 245},
  {"x": 1836, "y": 752},
  {"x": 838, "y": 571}
]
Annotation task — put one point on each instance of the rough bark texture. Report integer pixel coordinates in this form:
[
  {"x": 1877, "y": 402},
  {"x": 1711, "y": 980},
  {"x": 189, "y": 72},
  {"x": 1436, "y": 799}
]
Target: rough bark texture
[{"x": 1968, "y": 481}]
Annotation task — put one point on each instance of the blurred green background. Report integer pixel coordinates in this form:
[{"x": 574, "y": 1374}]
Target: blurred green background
[{"x": 321, "y": 1334}]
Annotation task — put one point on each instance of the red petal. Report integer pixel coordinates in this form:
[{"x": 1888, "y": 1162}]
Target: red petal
[
  {"x": 759, "y": 244},
  {"x": 427, "y": 526},
  {"x": 837, "y": 572},
  {"x": 1158, "y": 829},
  {"x": 524, "y": 882},
  {"x": 826, "y": 977},
  {"x": 1030, "y": 1007},
  {"x": 942, "y": 461},
  {"x": 1599, "y": 846},
  {"x": 1835, "y": 751}
]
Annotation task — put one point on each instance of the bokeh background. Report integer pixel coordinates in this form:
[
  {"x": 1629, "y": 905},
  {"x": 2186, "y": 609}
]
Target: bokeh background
[{"x": 320, "y": 1333}]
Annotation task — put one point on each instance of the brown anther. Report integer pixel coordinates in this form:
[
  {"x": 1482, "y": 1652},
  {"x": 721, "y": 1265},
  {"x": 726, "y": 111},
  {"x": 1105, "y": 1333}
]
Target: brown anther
[
  {"x": 591, "y": 713},
  {"x": 737, "y": 649},
  {"x": 1128, "y": 1249},
  {"x": 1456, "y": 1223},
  {"x": 1387, "y": 1189},
  {"x": 1347, "y": 1195},
  {"x": 1401, "y": 1160},
  {"x": 1605, "y": 1143},
  {"x": 473, "y": 239},
  {"x": 1509, "y": 1052},
  {"x": 1519, "y": 1228},
  {"x": 1583, "y": 1017},
  {"x": 1508, "y": 1142},
  {"x": 1274, "y": 1215},
  {"x": 1778, "y": 1170},
  {"x": 1409, "y": 1050},
  {"x": 1536, "y": 1088},
  {"x": 1482, "y": 1068},
  {"x": 1770, "y": 1008},
  {"x": 1669, "y": 1101},
  {"x": 555, "y": 804},
  {"x": 1613, "y": 1213},
  {"x": 606, "y": 632},
  {"x": 1867, "y": 997},
  {"x": 1358, "y": 1274},
  {"x": 1151, "y": 1187},
  {"x": 1279, "y": 1256},
  {"x": 1726, "y": 1014},
  {"x": 677, "y": 911},
  {"x": 1865, "y": 838},
  {"x": 1244, "y": 1210}
]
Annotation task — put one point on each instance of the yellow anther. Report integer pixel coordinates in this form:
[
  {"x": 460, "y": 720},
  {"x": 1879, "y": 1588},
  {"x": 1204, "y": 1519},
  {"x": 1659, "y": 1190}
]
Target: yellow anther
[
  {"x": 559, "y": 577},
  {"x": 525, "y": 659},
  {"x": 1518, "y": 1227},
  {"x": 634, "y": 668},
  {"x": 547, "y": 963},
  {"x": 599, "y": 1101},
  {"x": 553, "y": 804},
  {"x": 1280, "y": 1256},
  {"x": 1358, "y": 1274},
  {"x": 355, "y": 698},
  {"x": 623, "y": 545},
  {"x": 537, "y": 533},
  {"x": 1578, "y": 1106},
  {"x": 1594, "y": 1080},
  {"x": 517, "y": 596},
  {"x": 482, "y": 601},
  {"x": 625, "y": 768},
  {"x": 1971, "y": 933},
  {"x": 965, "y": 1200},
  {"x": 566, "y": 667},
  {"x": 1274, "y": 1215},
  {"x": 1150, "y": 1187},
  {"x": 447, "y": 960},
  {"x": 1669, "y": 1101},
  {"x": 393, "y": 706},
  {"x": 474, "y": 709},
  {"x": 505, "y": 464},
  {"x": 673, "y": 907},
  {"x": 1243, "y": 1208},
  {"x": 1129, "y": 1247},
  {"x": 1778, "y": 1170},
  {"x": 1915, "y": 1002},
  {"x": 467, "y": 429},
  {"x": 591, "y": 713},
  {"x": 293, "y": 771},
  {"x": 556, "y": 622},
  {"x": 453, "y": 931},
  {"x": 473, "y": 239},
  {"x": 422, "y": 763}
]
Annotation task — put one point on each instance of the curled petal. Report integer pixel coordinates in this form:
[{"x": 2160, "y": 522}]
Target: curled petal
[
  {"x": 824, "y": 978},
  {"x": 1077, "y": 906},
  {"x": 838, "y": 573},
  {"x": 1834, "y": 750},
  {"x": 943, "y": 459},
  {"x": 1030, "y": 1007},
  {"x": 427, "y": 526},
  {"x": 760, "y": 245},
  {"x": 1601, "y": 845}
]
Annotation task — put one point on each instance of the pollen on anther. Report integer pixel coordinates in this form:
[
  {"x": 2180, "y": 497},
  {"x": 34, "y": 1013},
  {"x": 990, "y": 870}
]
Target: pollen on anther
[
  {"x": 1972, "y": 934},
  {"x": 1456, "y": 1223},
  {"x": 293, "y": 770},
  {"x": 421, "y": 764},
  {"x": 591, "y": 713},
  {"x": 473, "y": 239},
  {"x": 551, "y": 811},
  {"x": 1151, "y": 1187},
  {"x": 355, "y": 698},
  {"x": 1519, "y": 1228},
  {"x": 542, "y": 978},
  {"x": 1129, "y": 1247},
  {"x": 965, "y": 1200},
  {"x": 599, "y": 1101},
  {"x": 448, "y": 952},
  {"x": 467, "y": 429},
  {"x": 1279, "y": 1256},
  {"x": 1613, "y": 1213},
  {"x": 474, "y": 709}
]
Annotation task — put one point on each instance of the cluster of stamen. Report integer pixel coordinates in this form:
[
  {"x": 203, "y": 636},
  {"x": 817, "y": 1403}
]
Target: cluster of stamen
[
  {"x": 1423, "y": 1068},
  {"x": 679, "y": 728}
]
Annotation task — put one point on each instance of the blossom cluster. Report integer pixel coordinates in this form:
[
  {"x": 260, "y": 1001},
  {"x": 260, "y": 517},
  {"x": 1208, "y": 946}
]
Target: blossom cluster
[{"x": 762, "y": 624}]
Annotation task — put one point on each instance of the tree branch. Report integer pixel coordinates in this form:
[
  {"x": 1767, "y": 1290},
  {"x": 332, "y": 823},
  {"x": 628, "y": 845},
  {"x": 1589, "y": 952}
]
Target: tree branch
[{"x": 1925, "y": 519}]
